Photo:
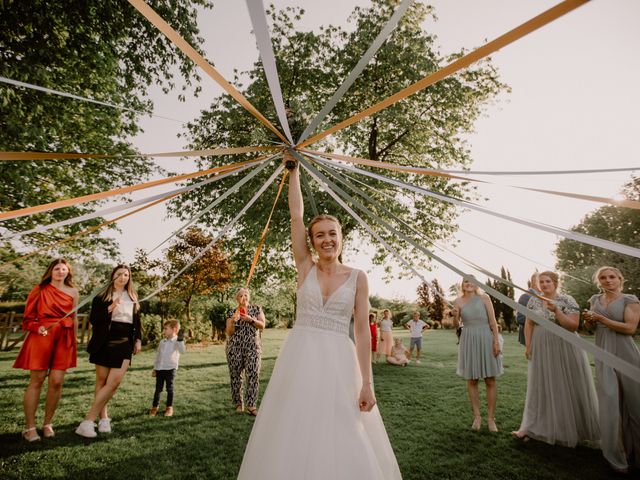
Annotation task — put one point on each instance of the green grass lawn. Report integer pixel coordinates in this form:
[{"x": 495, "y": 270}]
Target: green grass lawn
[{"x": 424, "y": 407}]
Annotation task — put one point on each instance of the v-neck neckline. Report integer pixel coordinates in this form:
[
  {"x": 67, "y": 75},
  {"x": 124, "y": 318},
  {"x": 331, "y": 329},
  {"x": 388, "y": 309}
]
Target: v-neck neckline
[
  {"x": 324, "y": 302},
  {"x": 606, "y": 307}
]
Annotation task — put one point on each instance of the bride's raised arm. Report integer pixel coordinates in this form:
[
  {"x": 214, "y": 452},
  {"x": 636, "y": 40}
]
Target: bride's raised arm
[{"x": 301, "y": 253}]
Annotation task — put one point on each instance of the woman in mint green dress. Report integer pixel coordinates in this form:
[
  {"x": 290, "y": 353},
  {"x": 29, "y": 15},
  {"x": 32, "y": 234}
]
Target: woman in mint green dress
[
  {"x": 479, "y": 352},
  {"x": 615, "y": 317}
]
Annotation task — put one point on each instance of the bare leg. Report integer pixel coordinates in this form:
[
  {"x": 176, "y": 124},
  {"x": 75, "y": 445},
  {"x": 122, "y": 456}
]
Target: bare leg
[
  {"x": 32, "y": 396},
  {"x": 492, "y": 397},
  {"x": 418, "y": 354},
  {"x": 101, "y": 379},
  {"x": 104, "y": 394},
  {"x": 474, "y": 397},
  {"x": 54, "y": 391}
]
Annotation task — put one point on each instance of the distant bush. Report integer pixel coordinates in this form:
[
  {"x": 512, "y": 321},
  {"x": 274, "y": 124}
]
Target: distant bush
[
  {"x": 151, "y": 328},
  {"x": 17, "y": 307},
  {"x": 217, "y": 316}
]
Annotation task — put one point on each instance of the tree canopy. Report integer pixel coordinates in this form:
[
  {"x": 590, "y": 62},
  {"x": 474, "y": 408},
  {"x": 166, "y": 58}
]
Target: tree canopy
[
  {"x": 104, "y": 50},
  {"x": 424, "y": 130},
  {"x": 612, "y": 223}
]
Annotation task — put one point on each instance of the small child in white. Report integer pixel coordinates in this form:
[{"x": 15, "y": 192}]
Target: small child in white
[{"x": 166, "y": 364}]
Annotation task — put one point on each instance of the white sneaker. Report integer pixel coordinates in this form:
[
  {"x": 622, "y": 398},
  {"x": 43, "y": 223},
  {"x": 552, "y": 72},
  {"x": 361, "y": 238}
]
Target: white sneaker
[
  {"x": 104, "y": 425},
  {"x": 418, "y": 361},
  {"x": 87, "y": 429}
]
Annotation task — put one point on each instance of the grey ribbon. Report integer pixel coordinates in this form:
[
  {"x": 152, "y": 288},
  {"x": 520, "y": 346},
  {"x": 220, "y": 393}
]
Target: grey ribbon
[
  {"x": 77, "y": 97},
  {"x": 261, "y": 31},
  {"x": 606, "y": 357},
  {"x": 357, "y": 70}
]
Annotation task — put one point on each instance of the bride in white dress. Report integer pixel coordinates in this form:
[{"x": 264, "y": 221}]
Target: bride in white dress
[{"x": 318, "y": 418}]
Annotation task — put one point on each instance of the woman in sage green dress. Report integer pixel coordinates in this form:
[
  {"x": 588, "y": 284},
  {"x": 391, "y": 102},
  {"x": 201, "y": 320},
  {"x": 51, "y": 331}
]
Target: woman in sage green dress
[
  {"x": 560, "y": 406},
  {"x": 479, "y": 351},
  {"x": 615, "y": 317}
]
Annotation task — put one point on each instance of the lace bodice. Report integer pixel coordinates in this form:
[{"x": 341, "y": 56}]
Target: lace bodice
[{"x": 334, "y": 314}]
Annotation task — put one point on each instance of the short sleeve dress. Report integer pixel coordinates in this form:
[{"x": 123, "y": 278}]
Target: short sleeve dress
[
  {"x": 618, "y": 395},
  {"x": 560, "y": 406}
]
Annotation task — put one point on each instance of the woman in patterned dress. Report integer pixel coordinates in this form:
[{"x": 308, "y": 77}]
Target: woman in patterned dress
[
  {"x": 244, "y": 350},
  {"x": 560, "y": 406},
  {"x": 615, "y": 316}
]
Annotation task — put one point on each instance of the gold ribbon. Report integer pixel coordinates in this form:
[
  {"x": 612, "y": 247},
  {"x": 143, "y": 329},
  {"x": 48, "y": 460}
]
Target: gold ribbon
[
  {"x": 211, "y": 152},
  {"x": 472, "y": 57},
  {"x": 120, "y": 191},
  {"x": 191, "y": 52},
  {"x": 423, "y": 171},
  {"x": 86, "y": 231},
  {"x": 265, "y": 231}
]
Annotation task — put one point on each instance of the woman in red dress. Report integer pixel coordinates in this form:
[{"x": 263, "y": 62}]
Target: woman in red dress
[
  {"x": 50, "y": 346},
  {"x": 373, "y": 327}
]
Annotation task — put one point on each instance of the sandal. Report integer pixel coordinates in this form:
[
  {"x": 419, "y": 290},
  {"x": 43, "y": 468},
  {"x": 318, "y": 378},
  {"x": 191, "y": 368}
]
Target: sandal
[
  {"x": 30, "y": 438},
  {"x": 239, "y": 409},
  {"x": 47, "y": 431},
  {"x": 253, "y": 411}
]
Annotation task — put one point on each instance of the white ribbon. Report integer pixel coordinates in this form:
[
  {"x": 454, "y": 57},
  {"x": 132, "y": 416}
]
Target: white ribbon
[
  {"x": 606, "y": 357},
  {"x": 579, "y": 237},
  {"x": 126, "y": 206},
  {"x": 357, "y": 70},
  {"x": 77, "y": 97},
  {"x": 227, "y": 227},
  {"x": 261, "y": 31}
]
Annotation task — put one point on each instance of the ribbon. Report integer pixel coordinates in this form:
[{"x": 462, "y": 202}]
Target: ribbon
[
  {"x": 124, "y": 206},
  {"x": 211, "y": 152},
  {"x": 88, "y": 230},
  {"x": 606, "y": 357},
  {"x": 219, "y": 235},
  {"x": 77, "y": 97},
  {"x": 265, "y": 231},
  {"x": 261, "y": 31},
  {"x": 21, "y": 212},
  {"x": 357, "y": 70},
  {"x": 439, "y": 173},
  {"x": 191, "y": 52},
  {"x": 463, "y": 62},
  {"x": 579, "y": 237},
  {"x": 217, "y": 201}
]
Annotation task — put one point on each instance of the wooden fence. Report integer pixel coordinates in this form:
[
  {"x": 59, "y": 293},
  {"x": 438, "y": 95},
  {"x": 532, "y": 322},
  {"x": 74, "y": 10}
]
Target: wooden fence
[{"x": 12, "y": 335}]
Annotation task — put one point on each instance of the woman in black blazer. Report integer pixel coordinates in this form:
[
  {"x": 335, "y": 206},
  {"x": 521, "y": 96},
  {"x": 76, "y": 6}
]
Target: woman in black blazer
[{"x": 116, "y": 336}]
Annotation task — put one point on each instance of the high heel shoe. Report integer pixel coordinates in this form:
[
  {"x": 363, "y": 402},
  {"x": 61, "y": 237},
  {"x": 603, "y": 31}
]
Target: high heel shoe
[{"x": 477, "y": 421}]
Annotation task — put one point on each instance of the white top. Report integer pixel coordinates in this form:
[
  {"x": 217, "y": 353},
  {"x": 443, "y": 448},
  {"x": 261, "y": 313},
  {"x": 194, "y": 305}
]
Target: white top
[
  {"x": 416, "y": 327},
  {"x": 124, "y": 312},
  {"x": 168, "y": 354},
  {"x": 386, "y": 325}
]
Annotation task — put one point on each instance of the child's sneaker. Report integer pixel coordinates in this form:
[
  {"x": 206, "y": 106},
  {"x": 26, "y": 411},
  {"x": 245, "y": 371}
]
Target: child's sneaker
[
  {"x": 153, "y": 412},
  {"x": 168, "y": 412},
  {"x": 104, "y": 425}
]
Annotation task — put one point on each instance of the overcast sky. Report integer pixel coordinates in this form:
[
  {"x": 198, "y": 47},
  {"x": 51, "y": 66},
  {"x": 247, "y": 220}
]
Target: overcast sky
[{"x": 573, "y": 105}]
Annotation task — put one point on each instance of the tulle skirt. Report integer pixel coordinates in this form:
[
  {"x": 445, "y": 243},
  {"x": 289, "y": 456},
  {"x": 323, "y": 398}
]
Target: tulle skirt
[
  {"x": 561, "y": 406},
  {"x": 309, "y": 425}
]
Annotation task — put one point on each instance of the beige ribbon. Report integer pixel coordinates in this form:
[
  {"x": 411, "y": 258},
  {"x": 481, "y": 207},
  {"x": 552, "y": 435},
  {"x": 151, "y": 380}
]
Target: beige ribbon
[{"x": 472, "y": 57}]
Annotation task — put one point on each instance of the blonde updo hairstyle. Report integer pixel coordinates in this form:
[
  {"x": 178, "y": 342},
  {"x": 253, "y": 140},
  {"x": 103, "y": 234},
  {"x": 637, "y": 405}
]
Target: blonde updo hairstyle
[
  {"x": 614, "y": 270},
  {"x": 468, "y": 278}
]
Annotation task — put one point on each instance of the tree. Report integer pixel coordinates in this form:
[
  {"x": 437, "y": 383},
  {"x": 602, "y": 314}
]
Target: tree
[
  {"x": 617, "y": 224},
  {"x": 105, "y": 50},
  {"x": 211, "y": 273},
  {"x": 437, "y": 307},
  {"x": 424, "y": 295},
  {"x": 424, "y": 130}
]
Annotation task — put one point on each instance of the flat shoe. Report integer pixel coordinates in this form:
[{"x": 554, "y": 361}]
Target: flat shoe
[
  {"x": 30, "y": 438},
  {"x": 253, "y": 412},
  {"x": 47, "y": 431}
]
